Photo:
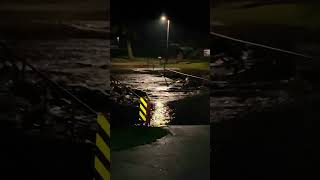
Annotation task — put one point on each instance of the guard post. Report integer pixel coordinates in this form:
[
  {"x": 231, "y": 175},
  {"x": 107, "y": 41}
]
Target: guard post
[
  {"x": 144, "y": 111},
  {"x": 102, "y": 154}
]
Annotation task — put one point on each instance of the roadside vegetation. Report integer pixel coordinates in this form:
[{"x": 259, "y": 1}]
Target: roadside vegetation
[{"x": 195, "y": 65}]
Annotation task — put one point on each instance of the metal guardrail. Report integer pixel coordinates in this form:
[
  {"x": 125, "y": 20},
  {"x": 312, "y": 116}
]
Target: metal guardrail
[
  {"x": 102, "y": 150},
  {"x": 262, "y": 46},
  {"x": 188, "y": 75},
  {"x": 244, "y": 42},
  {"x": 117, "y": 82},
  {"x": 45, "y": 77},
  {"x": 62, "y": 89}
]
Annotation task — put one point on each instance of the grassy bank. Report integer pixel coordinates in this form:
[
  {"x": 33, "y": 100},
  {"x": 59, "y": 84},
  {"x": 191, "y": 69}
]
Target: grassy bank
[
  {"x": 128, "y": 137},
  {"x": 182, "y": 65}
]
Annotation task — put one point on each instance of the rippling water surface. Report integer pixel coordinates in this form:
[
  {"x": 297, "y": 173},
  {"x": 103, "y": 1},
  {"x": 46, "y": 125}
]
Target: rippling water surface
[
  {"x": 76, "y": 61},
  {"x": 161, "y": 91}
]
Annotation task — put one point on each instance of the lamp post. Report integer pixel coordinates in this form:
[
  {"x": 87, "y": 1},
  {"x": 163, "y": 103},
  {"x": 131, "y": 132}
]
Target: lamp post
[{"x": 165, "y": 19}]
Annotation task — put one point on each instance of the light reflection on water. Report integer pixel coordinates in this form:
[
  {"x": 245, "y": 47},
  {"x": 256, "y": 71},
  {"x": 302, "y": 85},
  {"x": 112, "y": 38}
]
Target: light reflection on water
[
  {"x": 161, "y": 114},
  {"x": 158, "y": 91}
]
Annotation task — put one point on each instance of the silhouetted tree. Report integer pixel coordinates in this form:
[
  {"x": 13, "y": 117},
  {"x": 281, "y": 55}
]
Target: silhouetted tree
[{"x": 128, "y": 35}]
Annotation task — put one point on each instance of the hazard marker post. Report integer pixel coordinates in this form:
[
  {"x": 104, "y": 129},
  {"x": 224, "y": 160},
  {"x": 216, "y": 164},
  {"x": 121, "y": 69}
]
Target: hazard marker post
[{"x": 102, "y": 154}]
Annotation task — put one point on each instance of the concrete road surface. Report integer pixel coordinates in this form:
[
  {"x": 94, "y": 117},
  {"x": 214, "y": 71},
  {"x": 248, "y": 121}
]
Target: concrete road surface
[{"x": 184, "y": 154}]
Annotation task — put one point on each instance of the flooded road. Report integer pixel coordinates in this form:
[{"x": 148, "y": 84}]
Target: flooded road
[{"x": 174, "y": 100}]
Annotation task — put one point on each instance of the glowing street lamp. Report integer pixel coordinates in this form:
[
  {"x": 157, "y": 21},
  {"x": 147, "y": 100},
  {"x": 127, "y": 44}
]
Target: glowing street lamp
[{"x": 165, "y": 19}]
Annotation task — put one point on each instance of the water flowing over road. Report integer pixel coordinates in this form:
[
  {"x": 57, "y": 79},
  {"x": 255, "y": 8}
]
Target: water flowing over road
[{"x": 164, "y": 92}]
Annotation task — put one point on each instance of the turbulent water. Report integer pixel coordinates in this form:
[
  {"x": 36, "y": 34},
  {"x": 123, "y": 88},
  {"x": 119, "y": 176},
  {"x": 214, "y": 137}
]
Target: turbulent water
[
  {"x": 162, "y": 91},
  {"x": 74, "y": 61},
  {"x": 227, "y": 107}
]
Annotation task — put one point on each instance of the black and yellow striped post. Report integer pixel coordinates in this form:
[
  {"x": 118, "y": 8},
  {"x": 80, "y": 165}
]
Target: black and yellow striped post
[
  {"x": 144, "y": 111},
  {"x": 102, "y": 155}
]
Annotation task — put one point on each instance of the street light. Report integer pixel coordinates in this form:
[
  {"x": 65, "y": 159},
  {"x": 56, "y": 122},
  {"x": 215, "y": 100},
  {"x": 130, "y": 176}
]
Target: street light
[
  {"x": 165, "y": 19},
  {"x": 118, "y": 39}
]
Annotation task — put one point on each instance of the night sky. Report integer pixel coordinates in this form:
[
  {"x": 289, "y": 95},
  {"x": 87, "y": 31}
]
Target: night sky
[
  {"x": 191, "y": 14},
  {"x": 190, "y": 21}
]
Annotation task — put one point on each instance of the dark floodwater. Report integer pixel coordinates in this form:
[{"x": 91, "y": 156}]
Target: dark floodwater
[
  {"x": 229, "y": 107},
  {"x": 74, "y": 61},
  {"x": 173, "y": 103}
]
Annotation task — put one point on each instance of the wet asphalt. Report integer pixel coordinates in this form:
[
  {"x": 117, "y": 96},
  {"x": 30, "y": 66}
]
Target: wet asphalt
[{"x": 183, "y": 154}]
